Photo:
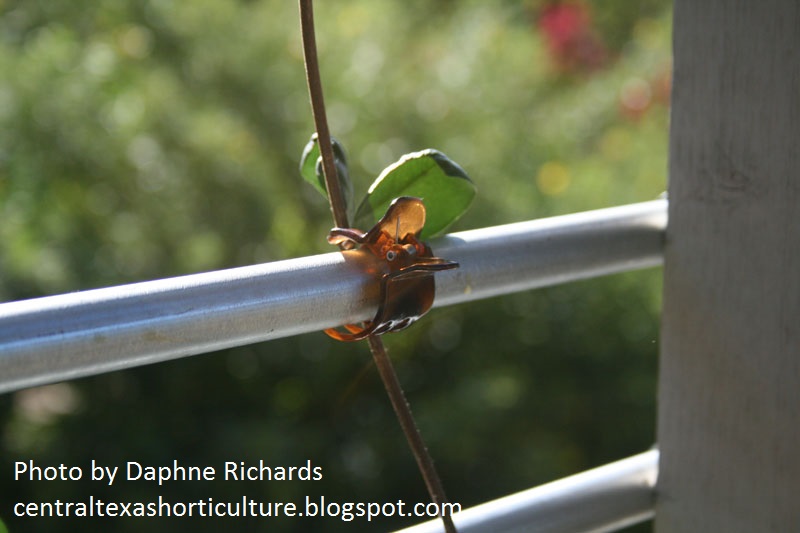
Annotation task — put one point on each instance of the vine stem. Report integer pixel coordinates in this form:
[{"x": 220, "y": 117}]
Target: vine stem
[
  {"x": 339, "y": 211},
  {"x": 335, "y": 196},
  {"x": 403, "y": 411}
]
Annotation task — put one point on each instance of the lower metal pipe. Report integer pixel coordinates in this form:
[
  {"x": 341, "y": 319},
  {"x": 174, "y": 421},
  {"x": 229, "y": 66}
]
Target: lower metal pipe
[{"x": 604, "y": 499}]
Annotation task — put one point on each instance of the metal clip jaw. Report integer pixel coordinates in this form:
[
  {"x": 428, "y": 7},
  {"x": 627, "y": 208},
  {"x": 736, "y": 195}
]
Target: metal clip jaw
[{"x": 407, "y": 284}]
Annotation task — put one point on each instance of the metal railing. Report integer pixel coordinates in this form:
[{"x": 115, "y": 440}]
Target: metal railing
[
  {"x": 62, "y": 337},
  {"x": 607, "y": 498}
]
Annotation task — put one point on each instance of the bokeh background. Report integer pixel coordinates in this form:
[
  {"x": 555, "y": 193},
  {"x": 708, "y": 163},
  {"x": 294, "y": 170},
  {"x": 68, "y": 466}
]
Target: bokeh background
[{"x": 147, "y": 139}]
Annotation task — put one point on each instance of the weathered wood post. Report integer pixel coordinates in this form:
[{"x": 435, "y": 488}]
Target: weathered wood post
[{"x": 729, "y": 398}]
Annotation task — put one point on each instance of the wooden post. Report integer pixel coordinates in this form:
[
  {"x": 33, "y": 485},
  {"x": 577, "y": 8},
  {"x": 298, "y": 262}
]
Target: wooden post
[{"x": 729, "y": 398}]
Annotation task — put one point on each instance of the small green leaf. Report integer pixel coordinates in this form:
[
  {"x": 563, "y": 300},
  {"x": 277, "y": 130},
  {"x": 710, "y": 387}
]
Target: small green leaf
[
  {"x": 443, "y": 186},
  {"x": 308, "y": 165},
  {"x": 311, "y": 169}
]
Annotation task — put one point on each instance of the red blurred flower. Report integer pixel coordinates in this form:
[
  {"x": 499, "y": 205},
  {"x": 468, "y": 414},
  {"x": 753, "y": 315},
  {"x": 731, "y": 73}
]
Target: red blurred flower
[{"x": 572, "y": 43}]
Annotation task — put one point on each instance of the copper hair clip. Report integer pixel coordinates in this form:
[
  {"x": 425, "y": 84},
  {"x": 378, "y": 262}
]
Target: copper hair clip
[{"x": 407, "y": 284}]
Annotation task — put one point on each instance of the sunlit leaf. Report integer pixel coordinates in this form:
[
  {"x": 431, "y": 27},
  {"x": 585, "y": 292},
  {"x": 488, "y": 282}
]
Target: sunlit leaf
[
  {"x": 311, "y": 169},
  {"x": 443, "y": 186}
]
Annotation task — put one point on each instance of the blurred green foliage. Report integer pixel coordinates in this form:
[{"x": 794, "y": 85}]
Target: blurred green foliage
[{"x": 146, "y": 139}]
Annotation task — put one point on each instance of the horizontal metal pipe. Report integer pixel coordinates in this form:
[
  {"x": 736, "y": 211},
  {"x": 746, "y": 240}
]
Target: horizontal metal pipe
[
  {"x": 539, "y": 253},
  {"x": 71, "y": 335},
  {"x": 604, "y": 499}
]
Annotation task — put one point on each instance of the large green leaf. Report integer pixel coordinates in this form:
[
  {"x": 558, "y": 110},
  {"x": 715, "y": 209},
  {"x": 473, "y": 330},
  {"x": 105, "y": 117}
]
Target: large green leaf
[
  {"x": 311, "y": 169},
  {"x": 443, "y": 186}
]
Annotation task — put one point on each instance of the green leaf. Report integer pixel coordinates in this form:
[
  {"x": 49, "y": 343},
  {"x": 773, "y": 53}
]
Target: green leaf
[
  {"x": 308, "y": 164},
  {"x": 443, "y": 186},
  {"x": 311, "y": 169}
]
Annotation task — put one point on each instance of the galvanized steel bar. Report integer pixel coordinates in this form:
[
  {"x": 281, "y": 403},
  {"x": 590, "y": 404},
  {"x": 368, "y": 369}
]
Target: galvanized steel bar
[
  {"x": 604, "y": 499},
  {"x": 71, "y": 335}
]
